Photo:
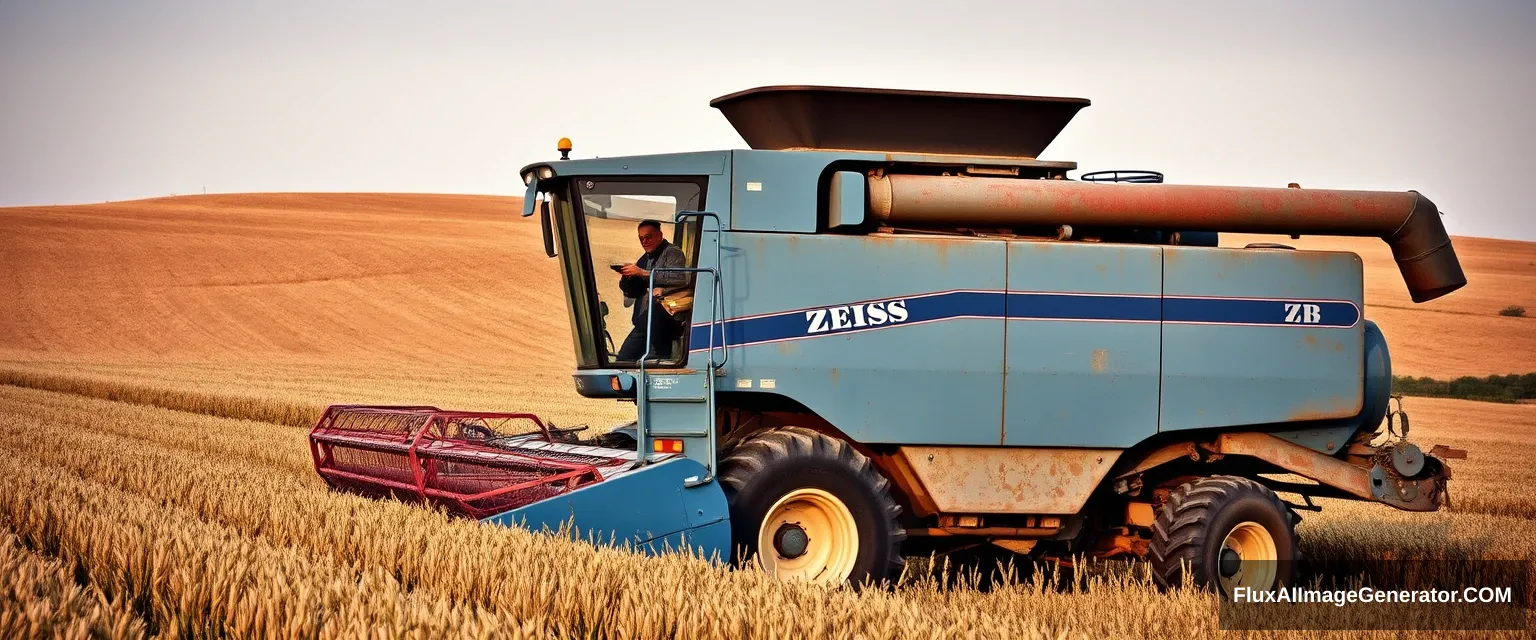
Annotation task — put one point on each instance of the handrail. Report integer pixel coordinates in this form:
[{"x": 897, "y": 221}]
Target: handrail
[{"x": 717, "y": 313}]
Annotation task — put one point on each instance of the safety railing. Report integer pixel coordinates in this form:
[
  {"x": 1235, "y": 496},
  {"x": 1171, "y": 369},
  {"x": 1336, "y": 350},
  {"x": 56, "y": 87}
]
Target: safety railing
[{"x": 716, "y": 316}]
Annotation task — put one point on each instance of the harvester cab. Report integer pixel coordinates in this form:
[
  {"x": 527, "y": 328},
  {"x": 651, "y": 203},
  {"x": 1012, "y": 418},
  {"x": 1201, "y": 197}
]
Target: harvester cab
[{"x": 889, "y": 328}]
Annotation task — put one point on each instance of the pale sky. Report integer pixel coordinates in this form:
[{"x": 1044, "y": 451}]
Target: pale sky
[{"x": 122, "y": 100}]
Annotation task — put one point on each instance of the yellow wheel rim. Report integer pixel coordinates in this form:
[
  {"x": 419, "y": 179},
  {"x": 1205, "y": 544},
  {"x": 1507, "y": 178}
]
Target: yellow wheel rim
[
  {"x": 1256, "y": 557},
  {"x": 808, "y": 535}
]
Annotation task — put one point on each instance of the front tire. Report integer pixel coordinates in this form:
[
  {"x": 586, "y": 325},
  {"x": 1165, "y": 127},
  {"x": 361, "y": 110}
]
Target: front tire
[
  {"x": 1229, "y": 532},
  {"x": 808, "y": 507}
]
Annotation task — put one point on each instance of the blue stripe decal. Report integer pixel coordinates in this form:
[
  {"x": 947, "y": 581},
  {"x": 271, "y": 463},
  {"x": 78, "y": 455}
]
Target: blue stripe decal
[
  {"x": 885, "y": 313},
  {"x": 1278, "y": 313},
  {"x": 1064, "y": 306},
  {"x": 853, "y": 318}
]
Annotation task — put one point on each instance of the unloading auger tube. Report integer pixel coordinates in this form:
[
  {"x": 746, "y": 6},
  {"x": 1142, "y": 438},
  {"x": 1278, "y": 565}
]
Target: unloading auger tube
[{"x": 1407, "y": 221}]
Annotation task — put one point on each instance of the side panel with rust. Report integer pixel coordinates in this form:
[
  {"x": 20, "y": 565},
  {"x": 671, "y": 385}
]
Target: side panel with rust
[
  {"x": 1260, "y": 336},
  {"x": 928, "y": 370},
  {"x": 1083, "y": 343},
  {"x": 1009, "y": 479}
]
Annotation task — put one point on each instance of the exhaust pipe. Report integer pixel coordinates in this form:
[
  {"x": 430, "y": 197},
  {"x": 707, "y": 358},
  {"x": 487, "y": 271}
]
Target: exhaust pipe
[{"x": 1407, "y": 221}]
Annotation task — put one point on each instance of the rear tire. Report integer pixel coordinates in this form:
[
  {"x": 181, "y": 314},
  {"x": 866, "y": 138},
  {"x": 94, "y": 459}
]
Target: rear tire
[
  {"x": 1228, "y": 532},
  {"x": 805, "y": 506}
]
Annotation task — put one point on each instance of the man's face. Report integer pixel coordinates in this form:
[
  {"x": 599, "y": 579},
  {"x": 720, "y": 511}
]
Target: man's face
[{"x": 650, "y": 238}]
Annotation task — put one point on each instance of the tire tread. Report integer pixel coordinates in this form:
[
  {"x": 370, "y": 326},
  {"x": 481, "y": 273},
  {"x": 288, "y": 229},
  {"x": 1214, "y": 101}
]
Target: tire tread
[
  {"x": 760, "y": 453},
  {"x": 1180, "y": 530}
]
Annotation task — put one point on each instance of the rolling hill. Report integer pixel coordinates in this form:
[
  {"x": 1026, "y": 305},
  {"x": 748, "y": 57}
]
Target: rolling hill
[
  {"x": 442, "y": 280},
  {"x": 162, "y": 360}
]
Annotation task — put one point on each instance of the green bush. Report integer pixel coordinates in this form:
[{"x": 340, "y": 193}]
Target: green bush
[
  {"x": 1510, "y": 388},
  {"x": 1513, "y": 311}
]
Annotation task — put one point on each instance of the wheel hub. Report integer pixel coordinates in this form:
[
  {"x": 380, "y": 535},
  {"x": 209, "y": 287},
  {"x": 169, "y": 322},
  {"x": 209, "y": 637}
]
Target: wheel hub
[
  {"x": 797, "y": 519},
  {"x": 790, "y": 541},
  {"x": 1230, "y": 563},
  {"x": 1248, "y": 558}
]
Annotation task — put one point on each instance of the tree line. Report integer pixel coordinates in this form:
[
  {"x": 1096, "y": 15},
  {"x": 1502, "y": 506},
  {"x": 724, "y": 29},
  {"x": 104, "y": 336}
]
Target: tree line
[{"x": 1510, "y": 388}]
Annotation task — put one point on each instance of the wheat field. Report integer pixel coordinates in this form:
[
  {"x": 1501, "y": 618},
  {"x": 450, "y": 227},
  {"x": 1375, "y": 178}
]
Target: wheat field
[
  {"x": 161, "y": 361},
  {"x": 193, "y": 525}
]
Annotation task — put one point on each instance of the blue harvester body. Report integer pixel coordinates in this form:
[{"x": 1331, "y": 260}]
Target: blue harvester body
[{"x": 899, "y": 270}]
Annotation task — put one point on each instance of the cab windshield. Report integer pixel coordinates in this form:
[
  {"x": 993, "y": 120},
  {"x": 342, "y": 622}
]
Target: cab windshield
[{"x": 630, "y": 227}]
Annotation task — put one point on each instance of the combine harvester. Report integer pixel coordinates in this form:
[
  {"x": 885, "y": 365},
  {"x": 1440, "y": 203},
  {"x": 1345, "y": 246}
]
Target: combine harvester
[{"x": 906, "y": 334}]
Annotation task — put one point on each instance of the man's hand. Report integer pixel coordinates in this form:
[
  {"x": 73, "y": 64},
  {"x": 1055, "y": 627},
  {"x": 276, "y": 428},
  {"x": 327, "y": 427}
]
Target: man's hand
[
  {"x": 632, "y": 270},
  {"x": 656, "y": 293}
]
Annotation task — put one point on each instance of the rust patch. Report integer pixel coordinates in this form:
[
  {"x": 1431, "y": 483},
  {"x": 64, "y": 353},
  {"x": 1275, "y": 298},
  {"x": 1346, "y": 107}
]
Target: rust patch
[
  {"x": 1299, "y": 460},
  {"x": 900, "y": 473},
  {"x": 1312, "y": 342},
  {"x": 1333, "y": 407},
  {"x": 1008, "y": 479},
  {"x": 788, "y": 348},
  {"x": 1162, "y": 456},
  {"x": 1099, "y": 360},
  {"x": 1318, "y": 263},
  {"x": 941, "y": 251}
]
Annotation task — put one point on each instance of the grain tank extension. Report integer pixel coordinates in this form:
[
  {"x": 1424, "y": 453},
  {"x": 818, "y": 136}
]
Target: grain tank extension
[{"x": 888, "y": 328}]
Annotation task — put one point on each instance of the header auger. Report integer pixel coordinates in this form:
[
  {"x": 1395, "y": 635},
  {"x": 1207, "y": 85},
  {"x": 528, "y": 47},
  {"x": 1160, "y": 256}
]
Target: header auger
[{"x": 888, "y": 328}]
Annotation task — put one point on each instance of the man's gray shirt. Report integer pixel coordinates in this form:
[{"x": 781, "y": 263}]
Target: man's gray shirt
[{"x": 668, "y": 282}]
